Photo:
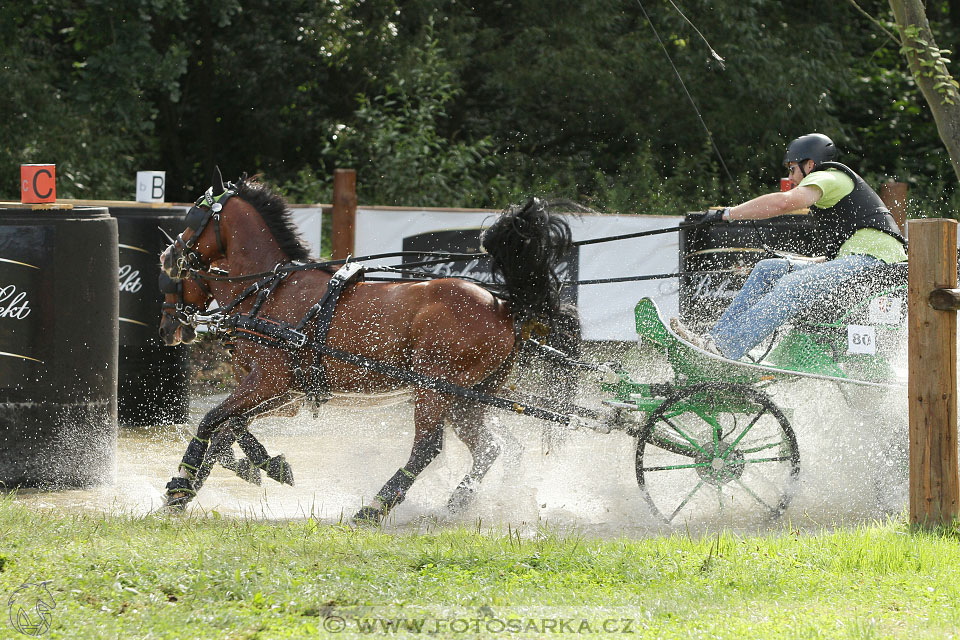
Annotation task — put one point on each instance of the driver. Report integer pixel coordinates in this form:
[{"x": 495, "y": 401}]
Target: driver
[{"x": 853, "y": 232}]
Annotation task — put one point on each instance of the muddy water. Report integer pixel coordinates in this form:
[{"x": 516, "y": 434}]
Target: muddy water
[{"x": 342, "y": 456}]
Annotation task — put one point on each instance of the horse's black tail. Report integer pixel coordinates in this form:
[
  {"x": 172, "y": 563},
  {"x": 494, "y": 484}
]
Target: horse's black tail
[{"x": 526, "y": 244}]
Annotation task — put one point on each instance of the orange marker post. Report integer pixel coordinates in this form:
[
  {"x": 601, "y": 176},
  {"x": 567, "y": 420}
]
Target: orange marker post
[{"x": 38, "y": 183}]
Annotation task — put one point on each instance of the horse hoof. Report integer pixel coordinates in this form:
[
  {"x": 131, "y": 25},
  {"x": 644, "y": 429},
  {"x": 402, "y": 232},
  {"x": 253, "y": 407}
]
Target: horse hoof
[
  {"x": 460, "y": 500},
  {"x": 179, "y": 493},
  {"x": 280, "y": 470},
  {"x": 462, "y": 496},
  {"x": 176, "y": 503},
  {"x": 247, "y": 471},
  {"x": 368, "y": 516}
]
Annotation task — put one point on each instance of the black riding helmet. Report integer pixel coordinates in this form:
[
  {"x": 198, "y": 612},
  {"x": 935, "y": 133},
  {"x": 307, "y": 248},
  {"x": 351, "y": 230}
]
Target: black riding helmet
[{"x": 813, "y": 146}]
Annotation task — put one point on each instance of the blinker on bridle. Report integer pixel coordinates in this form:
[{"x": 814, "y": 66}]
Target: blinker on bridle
[{"x": 206, "y": 208}]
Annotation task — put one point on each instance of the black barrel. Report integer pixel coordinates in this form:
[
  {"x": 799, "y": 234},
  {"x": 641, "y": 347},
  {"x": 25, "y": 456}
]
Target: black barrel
[
  {"x": 723, "y": 254},
  {"x": 58, "y": 346},
  {"x": 153, "y": 379}
]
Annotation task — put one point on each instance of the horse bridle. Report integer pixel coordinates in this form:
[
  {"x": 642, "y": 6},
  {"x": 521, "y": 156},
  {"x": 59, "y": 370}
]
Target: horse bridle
[
  {"x": 181, "y": 311},
  {"x": 206, "y": 209}
]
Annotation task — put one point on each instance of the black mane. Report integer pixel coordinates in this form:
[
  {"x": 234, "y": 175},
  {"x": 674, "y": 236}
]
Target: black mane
[{"x": 275, "y": 212}]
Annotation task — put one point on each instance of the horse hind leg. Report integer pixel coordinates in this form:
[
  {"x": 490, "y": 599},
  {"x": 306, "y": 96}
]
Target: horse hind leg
[
  {"x": 430, "y": 408},
  {"x": 427, "y": 445},
  {"x": 467, "y": 421}
]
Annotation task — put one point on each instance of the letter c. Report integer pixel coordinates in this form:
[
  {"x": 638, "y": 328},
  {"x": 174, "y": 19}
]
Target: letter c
[{"x": 36, "y": 190}]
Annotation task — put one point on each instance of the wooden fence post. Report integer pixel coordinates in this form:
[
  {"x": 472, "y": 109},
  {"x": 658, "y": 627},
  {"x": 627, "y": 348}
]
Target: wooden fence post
[
  {"x": 344, "y": 212},
  {"x": 932, "y": 387}
]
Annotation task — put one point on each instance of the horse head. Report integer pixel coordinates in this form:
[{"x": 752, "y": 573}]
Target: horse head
[
  {"x": 202, "y": 241},
  {"x": 246, "y": 214}
]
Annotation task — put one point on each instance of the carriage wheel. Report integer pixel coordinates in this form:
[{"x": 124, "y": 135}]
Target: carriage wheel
[{"x": 717, "y": 451}]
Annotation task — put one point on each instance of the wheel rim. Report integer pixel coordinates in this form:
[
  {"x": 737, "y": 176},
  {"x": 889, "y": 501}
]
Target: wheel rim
[{"x": 715, "y": 451}]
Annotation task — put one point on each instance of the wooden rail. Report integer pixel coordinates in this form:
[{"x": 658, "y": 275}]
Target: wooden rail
[
  {"x": 932, "y": 386},
  {"x": 945, "y": 299}
]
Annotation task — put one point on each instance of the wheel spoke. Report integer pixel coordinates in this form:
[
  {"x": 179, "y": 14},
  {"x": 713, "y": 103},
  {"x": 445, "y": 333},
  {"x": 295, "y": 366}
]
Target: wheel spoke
[
  {"x": 702, "y": 465},
  {"x": 755, "y": 496},
  {"x": 663, "y": 441},
  {"x": 686, "y": 437},
  {"x": 761, "y": 447},
  {"x": 685, "y": 501},
  {"x": 717, "y": 436},
  {"x": 777, "y": 459},
  {"x": 743, "y": 433}
]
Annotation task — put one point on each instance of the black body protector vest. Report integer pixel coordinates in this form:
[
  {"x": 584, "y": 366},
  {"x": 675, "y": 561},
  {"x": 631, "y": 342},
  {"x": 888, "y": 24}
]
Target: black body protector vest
[{"x": 862, "y": 208}]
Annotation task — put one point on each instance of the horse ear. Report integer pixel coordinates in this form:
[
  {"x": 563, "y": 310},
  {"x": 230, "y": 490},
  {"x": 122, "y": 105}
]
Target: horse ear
[{"x": 217, "y": 181}]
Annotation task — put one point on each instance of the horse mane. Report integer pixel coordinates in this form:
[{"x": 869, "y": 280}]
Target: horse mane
[{"x": 276, "y": 213}]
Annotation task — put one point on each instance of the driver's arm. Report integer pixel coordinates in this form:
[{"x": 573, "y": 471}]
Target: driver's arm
[{"x": 776, "y": 204}]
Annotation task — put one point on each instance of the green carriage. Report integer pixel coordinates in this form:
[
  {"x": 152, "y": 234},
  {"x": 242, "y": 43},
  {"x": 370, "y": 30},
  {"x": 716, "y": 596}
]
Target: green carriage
[{"x": 712, "y": 440}]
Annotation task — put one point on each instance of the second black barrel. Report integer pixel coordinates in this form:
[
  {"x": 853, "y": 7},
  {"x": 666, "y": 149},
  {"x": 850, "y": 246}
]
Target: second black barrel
[{"x": 153, "y": 379}]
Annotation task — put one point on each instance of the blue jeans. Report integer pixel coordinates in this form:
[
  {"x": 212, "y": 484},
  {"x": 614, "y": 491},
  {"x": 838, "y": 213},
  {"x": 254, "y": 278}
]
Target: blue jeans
[{"x": 776, "y": 291}]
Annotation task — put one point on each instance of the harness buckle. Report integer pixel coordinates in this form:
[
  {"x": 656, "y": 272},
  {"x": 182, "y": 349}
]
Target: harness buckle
[{"x": 299, "y": 338}]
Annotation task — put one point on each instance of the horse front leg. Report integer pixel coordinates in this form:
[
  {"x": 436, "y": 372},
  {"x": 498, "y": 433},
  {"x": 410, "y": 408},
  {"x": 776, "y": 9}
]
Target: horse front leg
[
  {"x": 220, "y": 451},
  {"x": 257, "y": 459},
  {"x": 276, "y": 467},
  {"x": 182, "y": 488},
  {"x": 257, "y": 388}
]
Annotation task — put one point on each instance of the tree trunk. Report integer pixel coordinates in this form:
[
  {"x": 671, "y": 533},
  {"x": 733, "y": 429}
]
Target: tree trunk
[{"x": 937, "y": 85}]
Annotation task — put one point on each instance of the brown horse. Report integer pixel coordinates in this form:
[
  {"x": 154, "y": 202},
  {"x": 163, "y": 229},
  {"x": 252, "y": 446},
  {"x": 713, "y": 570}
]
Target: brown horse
[{"x": 447, "y": 329}]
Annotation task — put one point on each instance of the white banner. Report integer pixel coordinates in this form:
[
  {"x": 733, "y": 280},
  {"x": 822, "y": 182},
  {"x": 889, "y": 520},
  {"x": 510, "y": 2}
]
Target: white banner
[
  {"x": 605, "y": 309},
  {"x": 307, "y": 221}
]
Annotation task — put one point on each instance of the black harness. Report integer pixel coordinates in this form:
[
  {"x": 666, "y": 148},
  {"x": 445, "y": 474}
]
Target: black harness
[
  {"x": 181, "y": 310},
  {"x": 293, "y": 338},
  {"x": 312, "y": 379}
]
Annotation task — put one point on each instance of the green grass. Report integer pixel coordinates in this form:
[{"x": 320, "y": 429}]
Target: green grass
[{"x": 190, "y": 577}]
